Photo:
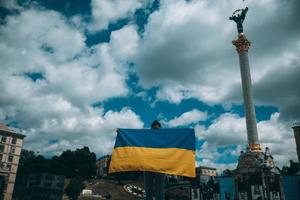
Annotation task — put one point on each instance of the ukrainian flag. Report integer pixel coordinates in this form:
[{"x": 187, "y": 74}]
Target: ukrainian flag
[{"x": 169, "y": 151}]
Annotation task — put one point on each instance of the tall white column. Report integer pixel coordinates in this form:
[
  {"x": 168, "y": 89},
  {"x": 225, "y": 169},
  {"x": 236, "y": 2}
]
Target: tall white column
[{"x": 242, "y": 47}]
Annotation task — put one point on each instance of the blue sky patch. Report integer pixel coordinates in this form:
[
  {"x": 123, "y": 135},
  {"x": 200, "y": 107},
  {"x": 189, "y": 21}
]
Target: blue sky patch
[
  {"x": 103, "y": 36},
  {"x": 68, "y": 8},
  {"x": 34, "y": 76},
  {"x": 262, "y": 112}
]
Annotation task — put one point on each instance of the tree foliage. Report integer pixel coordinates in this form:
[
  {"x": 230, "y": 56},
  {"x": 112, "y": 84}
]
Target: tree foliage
[
  {"x": 228, "y": 172},
  {"x": 74, "y": 188},
  {"x": 77, "y": 163},
  {"x": 80, "y": 162},
  {"x": 293, "y": 169}
]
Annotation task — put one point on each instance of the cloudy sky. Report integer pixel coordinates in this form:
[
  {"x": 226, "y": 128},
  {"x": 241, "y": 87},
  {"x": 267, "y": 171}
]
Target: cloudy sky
[{"x": 72, "y": 71}]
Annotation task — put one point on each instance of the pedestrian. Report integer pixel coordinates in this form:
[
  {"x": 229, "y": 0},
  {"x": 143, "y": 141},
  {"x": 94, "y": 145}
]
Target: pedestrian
[{"x": 154, "y": 182}]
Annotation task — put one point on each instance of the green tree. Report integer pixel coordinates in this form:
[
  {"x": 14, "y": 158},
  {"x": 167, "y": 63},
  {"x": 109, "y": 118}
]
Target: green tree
[
  {"x": 228, "y": 172},
  {"x": 80, "y": 162},
  {"x": 74, "y": 188},
  {"x": 293, "y": 169},
  {"x": 85, "y": 162},
  {"x": 26, "y": 158},
  {"x": 2, "y": 187}
]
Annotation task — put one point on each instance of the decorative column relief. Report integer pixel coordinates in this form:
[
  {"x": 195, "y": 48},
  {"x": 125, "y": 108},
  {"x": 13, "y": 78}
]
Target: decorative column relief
[{"x": 242, "y": 44}]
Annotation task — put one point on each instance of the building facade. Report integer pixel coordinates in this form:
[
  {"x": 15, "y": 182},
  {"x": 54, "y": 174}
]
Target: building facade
[
  {"x": 205, "y": 173},
  {"x": 291, "y": 187},
  {"x": 43, "y": 186},
  {"x": 205, "y": 186},
  {"x": 102, "y": 166},
  {"x": 226, "y": 184},
  {"x": 11, "y": 143},
  {"x": 296, "y": 128}
]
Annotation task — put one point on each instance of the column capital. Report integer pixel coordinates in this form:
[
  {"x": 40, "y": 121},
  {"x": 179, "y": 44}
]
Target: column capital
[
  {"x": 254, "y": 147},
  {"x": 242, "y": 43}
]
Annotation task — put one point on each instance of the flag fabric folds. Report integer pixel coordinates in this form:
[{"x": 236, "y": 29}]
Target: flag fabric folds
[{"x": 169, "y": 151}]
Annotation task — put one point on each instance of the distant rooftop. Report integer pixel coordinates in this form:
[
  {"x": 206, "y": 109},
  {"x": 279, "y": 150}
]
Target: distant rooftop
[
  {"x": 103, "y": 157},
  {"x": 5, "y": 130},
  {"x": 296, "y": 124},
  {"x": 204, "y": 167}
]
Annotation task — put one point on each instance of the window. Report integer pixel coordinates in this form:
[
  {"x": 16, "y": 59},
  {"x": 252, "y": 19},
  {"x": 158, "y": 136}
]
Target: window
[
  {"x": 3, "y": 139},
  {"x": 12, "y": 150},
  {"x": 59, "y": 185},
  {"x": 1, "y": 156},
  {"x": 8, "y": 167},
  {"x": 14, "y": 141},
  {"x": 48, "y": 177},
  {"x": 1, "y": 148},
  {"x": 37, "y": 182},
  {"x": 47, "y": 185},
  {"x": 10, "y": 158},
  {"x": 38, "y": 177}
]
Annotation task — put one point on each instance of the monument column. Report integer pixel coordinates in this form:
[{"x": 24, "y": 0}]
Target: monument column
[
  {"x": 256, "y": 176},
  {"x": 242, "y": 47}
]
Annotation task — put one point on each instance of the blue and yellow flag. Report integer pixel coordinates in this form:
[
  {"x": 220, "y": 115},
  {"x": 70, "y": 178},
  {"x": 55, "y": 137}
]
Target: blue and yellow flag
[{"x": 169, "y": 151}]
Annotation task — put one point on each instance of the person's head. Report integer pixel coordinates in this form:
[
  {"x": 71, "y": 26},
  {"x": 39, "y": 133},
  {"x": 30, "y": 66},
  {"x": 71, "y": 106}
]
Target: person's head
[{"x": 155, "y": 125}]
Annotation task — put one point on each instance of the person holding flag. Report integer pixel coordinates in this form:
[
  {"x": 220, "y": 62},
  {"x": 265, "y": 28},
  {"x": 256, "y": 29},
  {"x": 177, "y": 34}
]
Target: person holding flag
[
  {"x": 154, "y": 182},
  {"x": 156, "y": 152}
]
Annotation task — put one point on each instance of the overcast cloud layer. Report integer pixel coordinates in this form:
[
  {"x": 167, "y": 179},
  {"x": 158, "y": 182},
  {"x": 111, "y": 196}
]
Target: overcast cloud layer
[
  {"x": 56, "y": 107},
  {"x": 51, "y": 79},
  {"x": 187, "y": 51}
]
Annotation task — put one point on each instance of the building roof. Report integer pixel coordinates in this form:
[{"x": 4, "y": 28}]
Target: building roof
[
  {"x": 204, "y": 167},
  {"x": 104, "y": 157},
  {"x": 296, "y": 125},
  {"x": 5, "y": 130}
]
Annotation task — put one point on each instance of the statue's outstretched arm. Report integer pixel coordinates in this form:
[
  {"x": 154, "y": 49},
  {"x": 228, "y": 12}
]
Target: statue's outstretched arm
[
  {"x": 244, "y": 12},
  {"x": 234, "y": 18}
]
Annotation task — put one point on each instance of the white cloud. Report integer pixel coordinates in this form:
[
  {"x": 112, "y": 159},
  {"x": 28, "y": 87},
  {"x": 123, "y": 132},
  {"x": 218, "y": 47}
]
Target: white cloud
[
  {"x": 54, "y": 41},
  {"x": 108, "y": 11},
  {"x": 92, "y": 128},
  {"x": 173, "y": 93},
  {"x": 124, "y": 42},
  {"x": 179, "y": 52},
  {"x": 57, "y": 50},
  {"x": 58, "y": 106},
  {"x": 229, "y": 129},
  {"x": 211, "y": 157},
  {"x": 12, "y": 4},
  {"x": 186, "y": 51},
  {"x": 193, "y": 116}
]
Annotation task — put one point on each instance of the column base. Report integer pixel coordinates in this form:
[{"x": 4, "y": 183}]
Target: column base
[{"x": 256, "y": 177}]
